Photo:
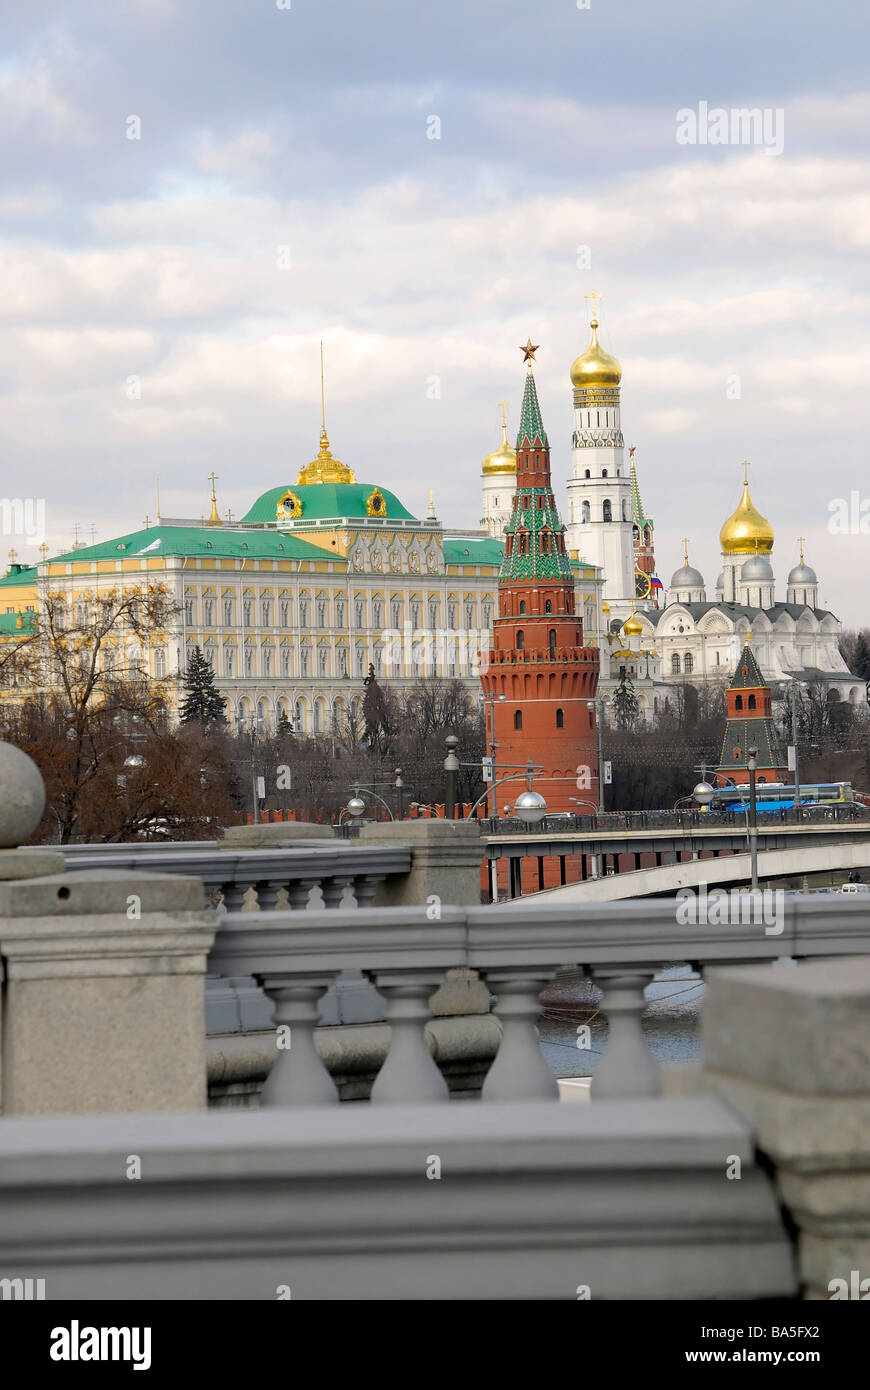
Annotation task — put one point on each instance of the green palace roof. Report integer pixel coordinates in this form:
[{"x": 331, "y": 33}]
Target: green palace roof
[
  {"x": 328, "y": 502},
  {"x": 19, "y": 574},
  {"x": 196, "y": 540},
  {"x": 467, "y": 550}
]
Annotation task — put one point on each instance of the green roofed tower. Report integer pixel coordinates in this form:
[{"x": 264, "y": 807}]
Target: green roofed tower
[
  {"x": 539, "y": 671},
  {"x": 750, "y": 730}
]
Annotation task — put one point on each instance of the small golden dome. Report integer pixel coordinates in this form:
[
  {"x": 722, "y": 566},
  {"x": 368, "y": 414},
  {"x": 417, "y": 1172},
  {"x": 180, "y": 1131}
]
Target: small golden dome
[
  {"x": 503, "y": 459},
  {"x": 746, "y": 531},
  {"x": 605, "y": 607},
  {"x": 632, "y": 627},
  {"x": 595, "y": 367}
]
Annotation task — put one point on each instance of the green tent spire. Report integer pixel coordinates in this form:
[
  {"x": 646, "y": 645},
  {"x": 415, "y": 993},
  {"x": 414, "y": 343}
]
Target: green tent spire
[{"x": 531, "y": 424}]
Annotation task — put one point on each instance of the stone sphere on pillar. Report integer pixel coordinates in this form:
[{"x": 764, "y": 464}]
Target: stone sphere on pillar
[{"x": 23, "y": 800}]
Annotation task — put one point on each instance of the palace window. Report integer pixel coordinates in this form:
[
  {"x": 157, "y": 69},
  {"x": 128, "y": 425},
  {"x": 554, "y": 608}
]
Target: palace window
[
  {"x": 208, "y": 612},
  {"x": 321, "y": 612},
  {"x": 359, "y": 612},
  {"x": 188, "y": 612},
  {"x": 396, "y": 612},
  {"x": 339, "y": 612},
  {"x": 585, "y": 513},
  {"x": 521, "y": 640},
  {"x": 228, "y": 612},
  {"x": 688, "y": 663},
  {"x": 552, "y": 641},
  {"x": 303, "y": 612},
  {"x": 518, "y": 719},
  {"x": 560, "y": 719},
  {"x": 548, "y": 606},
  {"x": 229, "y": 661},
  {"x": 738, "y": 702},
  {"x": 304, "y": 658},
  {"x": 675, "y": 664},
  {"x": 751, "y": 703},
  {"x": 247, "y": 611},
  {"x": 285, "y": 661},
  {"x": 266, "y": 612},
  {"x": 607, "y": 511},
  {"x": 522, "y": 605},
  {"x": 267, "y": 661}
]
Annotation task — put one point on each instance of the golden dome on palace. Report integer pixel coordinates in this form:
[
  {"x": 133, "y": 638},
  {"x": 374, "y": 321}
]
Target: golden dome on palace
[
  {"x": 503, "y": 459},
  {"x": 746, "y": 530},
  {"x": 595, "y": 367},
  {"x": 632, "y": 627}
]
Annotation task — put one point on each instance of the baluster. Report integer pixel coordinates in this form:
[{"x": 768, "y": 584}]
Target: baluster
[
  {"x": 267, "y": 893},
  {"x": 234, "y": 896},
  {"x": 298, "y": 892},
  {"x": 410, "y": 1075},
  {"x": 519, "y": 1071},
  {"x": 627, "y": 1070},
  {"x": 298, "y": 1076},
  {"x": 332, "y": 890},
  {"x": 364, "y": 887}
]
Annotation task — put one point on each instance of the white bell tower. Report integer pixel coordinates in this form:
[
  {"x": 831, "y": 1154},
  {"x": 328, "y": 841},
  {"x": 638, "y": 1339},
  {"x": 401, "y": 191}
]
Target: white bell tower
[{"x": 599, "y": 521}]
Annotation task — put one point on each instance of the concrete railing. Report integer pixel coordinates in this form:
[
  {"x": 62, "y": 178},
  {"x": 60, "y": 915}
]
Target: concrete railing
[{"x": 516, "y": 950}]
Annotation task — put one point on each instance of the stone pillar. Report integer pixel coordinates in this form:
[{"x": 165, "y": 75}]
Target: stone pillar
[
  {"x": 445, "y": 862},
  {"x": 104, "y": 992},
  {"x": 788, "y": 1046}
]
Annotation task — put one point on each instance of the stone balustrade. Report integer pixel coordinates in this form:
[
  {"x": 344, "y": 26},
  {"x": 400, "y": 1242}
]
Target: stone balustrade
[
  {"x": 324, "y": 871},
  {"x": 516, "y": 950}
]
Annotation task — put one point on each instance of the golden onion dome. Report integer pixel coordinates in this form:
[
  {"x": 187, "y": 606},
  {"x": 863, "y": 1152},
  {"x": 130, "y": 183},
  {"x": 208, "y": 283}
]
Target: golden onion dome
[
  {"x": 595, "y": 367},
  {"x": 632, "y": 627},
  {"x": 503, "y": 459},
  {"x": 746, "y": 531}
]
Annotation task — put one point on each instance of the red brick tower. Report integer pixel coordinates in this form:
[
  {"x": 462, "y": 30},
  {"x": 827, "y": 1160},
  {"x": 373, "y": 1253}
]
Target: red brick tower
[
  {"x": 538, "y": 661},
  {"x": 750, "y": 725}
]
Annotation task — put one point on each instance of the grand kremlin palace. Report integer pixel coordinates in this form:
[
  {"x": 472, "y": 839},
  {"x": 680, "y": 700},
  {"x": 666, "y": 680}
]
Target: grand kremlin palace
[{"x": 294, "y": 602}]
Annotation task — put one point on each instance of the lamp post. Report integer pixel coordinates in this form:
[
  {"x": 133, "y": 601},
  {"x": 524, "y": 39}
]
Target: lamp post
[
  {"x": 451, "y": 767},
  {"x": 752, "y": 765},
  {"x": 356, "y": 805},
  {"x": 793, "y": 693},
  {"x": 400, "y": 789},
  {"x": 598, "y": 706},
  {"x": 492, "y": 810}
]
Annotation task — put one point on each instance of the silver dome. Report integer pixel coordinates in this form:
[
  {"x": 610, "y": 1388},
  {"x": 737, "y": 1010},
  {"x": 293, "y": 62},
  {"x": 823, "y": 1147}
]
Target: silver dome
[
  {"x": 687, "y": 577},
  {"x": 720, "y": 582},
  {"x": 802, "y": 574},
  {"x": 757, "y": 569}
]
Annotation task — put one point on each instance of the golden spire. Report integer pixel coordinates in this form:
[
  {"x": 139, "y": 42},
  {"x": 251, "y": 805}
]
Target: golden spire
[
  {"x": 801, "y": 540},
  {"x": 746, "y": 529},
  {"x": 43, "y": 550},
  {"x": 686, "y": 551},
  {"x": 158, "y": 499},
  {"x": 13, "y": 555},
  {"x": 325, "y": 468},
  {"x": 214, "y": 517},
  {"x": 595, "y": 367},
  {"x": 147, "y": 521},
  {"x": 430, "y": 515},
  {"x": 504, "y": 458}
]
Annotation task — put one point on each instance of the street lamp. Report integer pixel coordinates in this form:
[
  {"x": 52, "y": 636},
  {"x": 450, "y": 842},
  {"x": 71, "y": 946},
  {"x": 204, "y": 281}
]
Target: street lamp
[
  {"x": 355, "y": 806},
  {"x": 451, "y": 767},
  {"x": 530, "y": 807},
  {"x": 752, "y": 765},
  {"x": 400, "y": 788},
  {"x": 703, "y": 793},
  {"x": 598, "y": 706},
  {"x": 493, "y": 776}
]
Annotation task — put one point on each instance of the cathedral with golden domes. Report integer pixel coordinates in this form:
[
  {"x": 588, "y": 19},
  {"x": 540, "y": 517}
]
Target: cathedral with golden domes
[{"x": 661, "y": 638}]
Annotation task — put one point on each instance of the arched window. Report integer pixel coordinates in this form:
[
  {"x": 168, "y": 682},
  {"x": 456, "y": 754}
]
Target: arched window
[
  {"x": 675, "y": 664},
  {"x": 522, "y": 605},
  {"x": 521, "y": 640},
  {"x": 545, "y": 542},
  {"x": 604, "y": 472},
  {"x": 518, "y": 719},
  {"x": 587, "y": 474},
  {"x": 552, "y": 641},
  {"x": 751, "y": 702},
  {"x": 548, "y": 606},
  {"x": 625, "y": 515},
  {"x": 584, "y": 512},
  {"x": 688, "y": 663},
  {"x": 560, "y": 719},
  {"x": 738, "y": 702},
  {"x": 606, "y": 510},
  {"x": 737, "y": 755}
]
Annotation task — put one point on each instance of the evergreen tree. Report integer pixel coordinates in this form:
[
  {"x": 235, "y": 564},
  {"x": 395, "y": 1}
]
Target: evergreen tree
[
  {"x": 202, "y": 703},
  {"x": 626, "y": 706}
]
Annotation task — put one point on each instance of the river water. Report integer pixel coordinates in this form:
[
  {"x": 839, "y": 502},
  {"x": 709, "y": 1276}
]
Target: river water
[{"x": 670, "y": 1023}]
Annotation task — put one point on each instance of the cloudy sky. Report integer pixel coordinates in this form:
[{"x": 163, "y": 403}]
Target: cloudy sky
[{"x": 284, "y": 189}]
